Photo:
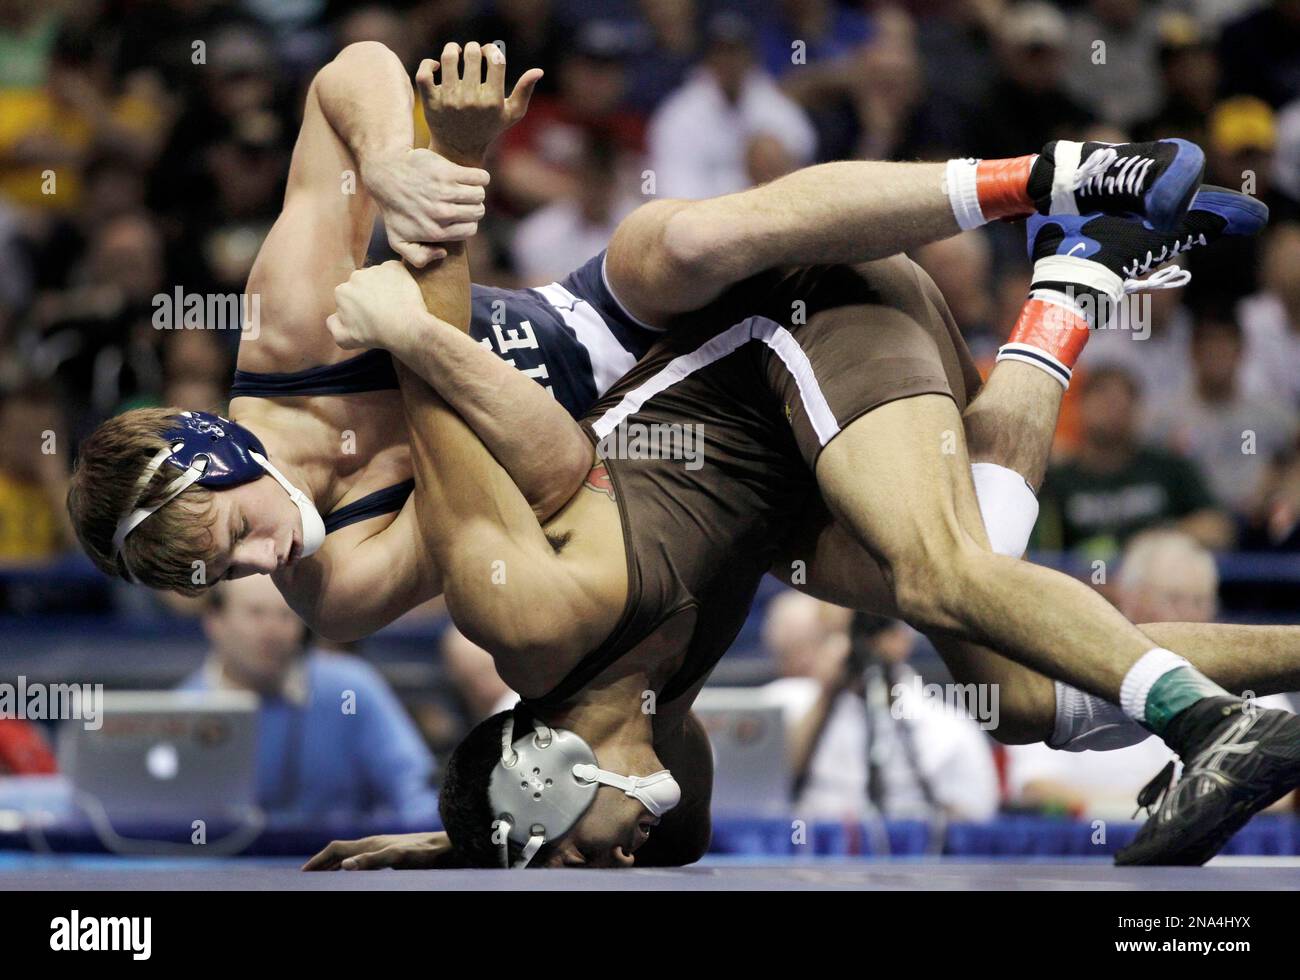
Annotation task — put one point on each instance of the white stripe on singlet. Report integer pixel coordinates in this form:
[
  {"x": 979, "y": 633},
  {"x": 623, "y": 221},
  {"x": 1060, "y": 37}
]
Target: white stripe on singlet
[
  {"x": 609, "y": 359},
  {"x": 680, "y": 368}
]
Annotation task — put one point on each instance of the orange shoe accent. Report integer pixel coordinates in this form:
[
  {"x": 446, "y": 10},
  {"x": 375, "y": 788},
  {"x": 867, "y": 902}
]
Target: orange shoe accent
[
  {"x": 1003, "y": 187},
  {"x": 1053, "y": 329}
]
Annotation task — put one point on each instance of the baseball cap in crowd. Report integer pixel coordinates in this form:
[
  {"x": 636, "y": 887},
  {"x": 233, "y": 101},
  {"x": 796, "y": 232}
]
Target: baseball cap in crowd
[{"x": 1242, "y": 123}]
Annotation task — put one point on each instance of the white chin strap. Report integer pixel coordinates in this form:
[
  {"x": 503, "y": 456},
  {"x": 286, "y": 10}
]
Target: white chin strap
[
  {"x": 313, "y": 528},
  {"x": 657, "y": 792},
  {"x": 137, "y": 515}
]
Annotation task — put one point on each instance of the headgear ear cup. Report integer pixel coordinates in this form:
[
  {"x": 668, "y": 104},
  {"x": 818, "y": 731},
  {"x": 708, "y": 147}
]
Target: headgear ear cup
[{"x": 548, "y": 778}]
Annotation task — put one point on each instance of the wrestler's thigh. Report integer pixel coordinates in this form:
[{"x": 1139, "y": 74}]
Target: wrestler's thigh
[{"x": 825, "y": 561}]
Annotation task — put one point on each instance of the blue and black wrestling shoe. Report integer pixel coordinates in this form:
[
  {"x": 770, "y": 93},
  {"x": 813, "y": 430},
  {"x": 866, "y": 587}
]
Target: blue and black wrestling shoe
[
  {"x": 1088, "y": 264},
  {"x": 1238, "y": 758},
  {"x": 1112, "y": 254},
  {"x": 1155, "y": 181}
]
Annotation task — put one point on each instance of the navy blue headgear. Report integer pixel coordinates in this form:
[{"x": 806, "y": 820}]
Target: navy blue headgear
[
  {"x": 212, "y": 452},
  {"x": 226, "y": 445}
]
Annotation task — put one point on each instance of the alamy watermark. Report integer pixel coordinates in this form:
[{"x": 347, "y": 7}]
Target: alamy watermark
[
  {"x": 179, "y": 310},
  {"x": 979, "y": 702},
  {"x": 53, "y": 702},
  {"x": 655, "y": 440}
]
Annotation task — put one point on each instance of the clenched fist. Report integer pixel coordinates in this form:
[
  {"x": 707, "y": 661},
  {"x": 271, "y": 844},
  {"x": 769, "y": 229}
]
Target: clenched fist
[{"x": 380, "y": 306}]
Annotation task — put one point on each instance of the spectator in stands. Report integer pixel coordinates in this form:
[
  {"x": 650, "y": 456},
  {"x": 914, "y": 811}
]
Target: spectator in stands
[
  {"x": 805, "y": 637},
  {"x": 96, "y": 339},
  {"x": 245, "y": 172},
  {"x": 33, "y": 478},
  {"x": 538, "y": 159},
  {"x": 1271, "y": 321},
  {"x": 1164, "y": 576},
  {"x": 1230, "y": 434},
  {"x": 473, "y": 676},
  {"x": 962, "y": 268},
  {"x": 729, "y": 126},
  {"x": 28, "y": 30},
  {"x": 1189, "y": 70},
  {"x": 1275, "y": 518},
  {"x": 239, "y": 80},
  {"x": 1261, "y": 53},
  {"x": 558, "y": 238},
  {"x": 332, "y": 738},
  {"x": 896, "y": 116},
  {"x": 1239, "y": 155},
  {"x": 1028, "y": 103},
  {"x": 49, "y": 131},
  {"x": 816, "y": 50},
  {"x": 1115, "y": 485},
  {"x": 673, "y": 48},
  {"x": 1112, "y": 65},
  {"x": 1286, "y": 163},
  {"x": 863, "y": 740}
]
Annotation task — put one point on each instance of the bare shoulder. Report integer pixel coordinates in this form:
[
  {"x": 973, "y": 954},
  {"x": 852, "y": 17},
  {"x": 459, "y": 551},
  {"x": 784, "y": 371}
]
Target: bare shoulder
[{"x": 363, "y": 577}]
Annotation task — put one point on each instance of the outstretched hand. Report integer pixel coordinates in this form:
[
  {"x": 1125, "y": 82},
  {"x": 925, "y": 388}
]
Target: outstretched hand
[
  {"x": 466, "y": 111},
  {"x": 401, "y": 851}
]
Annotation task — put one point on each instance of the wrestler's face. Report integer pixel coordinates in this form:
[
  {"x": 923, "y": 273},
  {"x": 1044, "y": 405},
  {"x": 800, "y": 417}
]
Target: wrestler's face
[
  {"x": 256, "y": 530},
  {"x": 607, "y": 836}
]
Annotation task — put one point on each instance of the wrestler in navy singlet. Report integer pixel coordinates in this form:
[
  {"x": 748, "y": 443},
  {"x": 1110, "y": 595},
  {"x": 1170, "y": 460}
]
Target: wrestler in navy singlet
[{"x": 572, "y": 337}]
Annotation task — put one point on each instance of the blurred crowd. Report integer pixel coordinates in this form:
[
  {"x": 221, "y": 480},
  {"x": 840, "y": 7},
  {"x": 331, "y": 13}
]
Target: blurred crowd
[{"x": 144, "y": 146}]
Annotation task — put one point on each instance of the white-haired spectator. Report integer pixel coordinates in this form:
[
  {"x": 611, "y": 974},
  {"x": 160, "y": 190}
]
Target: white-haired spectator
[
  {"x": 1164, "y": 576},
  {"x": 728, "y": 126}
]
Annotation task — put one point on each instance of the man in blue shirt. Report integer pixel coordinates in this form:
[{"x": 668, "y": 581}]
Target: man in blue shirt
[{"x": 332, "y": 738}]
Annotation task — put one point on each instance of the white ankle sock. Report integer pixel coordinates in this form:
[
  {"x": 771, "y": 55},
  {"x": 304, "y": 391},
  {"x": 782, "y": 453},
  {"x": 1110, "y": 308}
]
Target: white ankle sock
[
  {"x": 1135, "y": 687},
  {"x": 963, "y": 195}
]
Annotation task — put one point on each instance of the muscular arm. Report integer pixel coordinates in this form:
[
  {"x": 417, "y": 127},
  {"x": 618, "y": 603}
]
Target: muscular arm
[
  {"x": 353, "y": 152},
  {"x": 356, "y": 130},
  {"x": 523, "y": 427},
  {"x": 506, "y": 588},
  {"x": 682, "y": 836},
  {"x": 671, "y": 257}
]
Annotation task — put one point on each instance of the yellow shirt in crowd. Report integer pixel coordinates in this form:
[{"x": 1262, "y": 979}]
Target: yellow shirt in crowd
[{"x": 29, "y": 530}]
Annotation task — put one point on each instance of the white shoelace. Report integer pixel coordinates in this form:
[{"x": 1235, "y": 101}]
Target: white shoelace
[
  {"x": 1172, "y": 277},
  {"x": 1091, "y": 177}
]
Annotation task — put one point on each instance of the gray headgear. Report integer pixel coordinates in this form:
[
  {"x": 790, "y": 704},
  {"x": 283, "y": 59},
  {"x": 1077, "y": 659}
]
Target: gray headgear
[{"x": 547, "y": 779}]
